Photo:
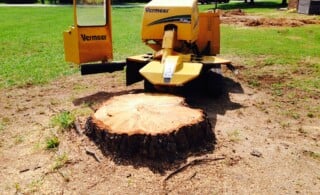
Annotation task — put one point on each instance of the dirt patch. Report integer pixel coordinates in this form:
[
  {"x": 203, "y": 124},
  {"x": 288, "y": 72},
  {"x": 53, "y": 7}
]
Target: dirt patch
[
  {"x": 271, "y": 79},
  {"x": 235, "y": 12},
  {"x": 239, "y": 17},
  {"x": 263, "y": 144},
  {"x": 280, "y": 22}
]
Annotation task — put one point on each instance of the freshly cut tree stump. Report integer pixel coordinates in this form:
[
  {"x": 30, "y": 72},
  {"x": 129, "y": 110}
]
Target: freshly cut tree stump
[{"x": 157, "y": 126}]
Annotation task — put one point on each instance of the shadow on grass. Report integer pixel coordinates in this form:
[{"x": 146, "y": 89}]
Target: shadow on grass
[
  {"x": 246, "y": 6},
  {"x": 159, "y": 164}
]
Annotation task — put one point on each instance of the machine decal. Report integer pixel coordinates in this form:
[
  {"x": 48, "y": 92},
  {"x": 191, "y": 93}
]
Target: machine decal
[
  {"x": 178, "y": 18},
  {"x": 93, "y": 37},
  {"x": 168, "y": 72},
  {"x": 156, "y": 10}
]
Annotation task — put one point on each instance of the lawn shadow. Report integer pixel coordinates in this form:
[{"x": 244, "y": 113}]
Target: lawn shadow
[
  {"x": 211, "y": 106},
  {"x": 246, "y": 6}
]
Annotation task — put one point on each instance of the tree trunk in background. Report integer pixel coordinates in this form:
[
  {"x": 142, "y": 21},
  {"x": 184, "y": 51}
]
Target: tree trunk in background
[{"x": 293, "y": 4}]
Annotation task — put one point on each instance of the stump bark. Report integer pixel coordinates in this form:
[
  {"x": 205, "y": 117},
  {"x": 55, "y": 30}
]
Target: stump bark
[{"x": 157, "y": 126}]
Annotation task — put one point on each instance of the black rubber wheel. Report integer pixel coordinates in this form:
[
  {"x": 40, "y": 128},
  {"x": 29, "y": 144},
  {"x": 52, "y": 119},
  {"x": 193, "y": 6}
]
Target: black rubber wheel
[{"x": 214, "y": 83}]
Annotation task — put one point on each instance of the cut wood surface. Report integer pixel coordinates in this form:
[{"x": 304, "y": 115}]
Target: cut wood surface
[
  {"x": 151, "y": 124},
  {"x": 146, "y": 114}
]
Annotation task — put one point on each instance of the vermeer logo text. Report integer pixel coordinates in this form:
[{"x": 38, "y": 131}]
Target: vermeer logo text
[{"x": 93, "y": 37}]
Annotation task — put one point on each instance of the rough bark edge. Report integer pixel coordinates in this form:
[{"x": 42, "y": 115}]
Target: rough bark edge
[{"x": 160, "y": 147}]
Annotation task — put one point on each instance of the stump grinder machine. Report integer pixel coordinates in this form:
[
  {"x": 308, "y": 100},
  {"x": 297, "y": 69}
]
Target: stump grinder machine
[{"x": 184, "y": 41}]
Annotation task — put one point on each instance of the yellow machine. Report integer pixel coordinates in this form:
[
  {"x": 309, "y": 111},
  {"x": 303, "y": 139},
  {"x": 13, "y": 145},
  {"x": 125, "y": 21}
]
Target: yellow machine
[
  {"x": 184, "y": 42},
  {"x": 89, "y": 39}
]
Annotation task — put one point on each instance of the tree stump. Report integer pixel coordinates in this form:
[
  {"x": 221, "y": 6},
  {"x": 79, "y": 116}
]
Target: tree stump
[{"x": 157, "y": 126}]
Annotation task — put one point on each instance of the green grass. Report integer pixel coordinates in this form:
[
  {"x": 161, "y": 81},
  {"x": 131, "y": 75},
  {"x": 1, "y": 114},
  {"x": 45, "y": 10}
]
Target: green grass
[
  {"x": 31, "y": 42},
  {"x": 290, "y": 43},
  {"x": 32, "y": 46},
  {"x": 63, "y": 120},
  {"x": 260, "y": 6},
  {"x": 91, "y": 16},
  {"x": 234, "y": 136},
  {"x": 126, "y": 24},
  {"x": 52, "y": 142},
  {"x": 314, "y": 155},
  {"x": 60, "y": 161},
  {"x": 277, "y": 51},
  {"x": 290, "y": 52}
]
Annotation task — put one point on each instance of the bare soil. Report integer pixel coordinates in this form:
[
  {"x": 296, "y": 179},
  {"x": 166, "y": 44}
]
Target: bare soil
[
  {"x": 239, "y": 17},
  {"x": 265, "y": 143},
  {"x": 259, "y": 149}
]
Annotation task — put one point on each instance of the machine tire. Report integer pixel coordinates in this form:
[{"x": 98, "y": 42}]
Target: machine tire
[
  {"x": 214, "y": 83},
  {"x": 148, "y": 87}
]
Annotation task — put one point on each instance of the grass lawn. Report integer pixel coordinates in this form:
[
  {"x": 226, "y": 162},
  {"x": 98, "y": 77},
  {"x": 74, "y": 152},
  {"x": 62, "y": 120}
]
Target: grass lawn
[
  {"x": 31, "y": 44},
  {"x": 32, "y": 47}
]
